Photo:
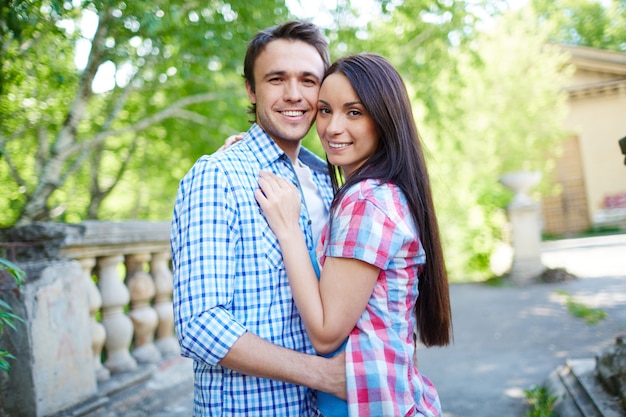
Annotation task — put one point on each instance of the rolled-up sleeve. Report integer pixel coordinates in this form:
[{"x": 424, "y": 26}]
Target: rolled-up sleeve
[{"x": 204, "y": 242}]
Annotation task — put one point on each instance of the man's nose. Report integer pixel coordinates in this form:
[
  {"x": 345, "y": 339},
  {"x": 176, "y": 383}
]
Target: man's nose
[{"x": 293, "y": 90}]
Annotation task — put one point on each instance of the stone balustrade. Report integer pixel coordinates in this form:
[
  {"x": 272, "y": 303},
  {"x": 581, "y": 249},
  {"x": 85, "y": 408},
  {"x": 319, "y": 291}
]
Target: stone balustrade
[{"x": 97, "y": 304}]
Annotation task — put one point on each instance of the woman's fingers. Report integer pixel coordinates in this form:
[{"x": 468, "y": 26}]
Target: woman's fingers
[
  {"x": 274, "y": 184},
  {"x": 277, "y": 196}
]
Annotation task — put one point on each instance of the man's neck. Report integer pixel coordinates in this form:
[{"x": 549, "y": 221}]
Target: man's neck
[{"x": 291, "y": 149}]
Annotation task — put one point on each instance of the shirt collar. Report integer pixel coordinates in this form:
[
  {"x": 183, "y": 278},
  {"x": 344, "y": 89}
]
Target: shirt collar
[
  {"x": 267, "y": 151},
  {"x": 262, "y": 146}
]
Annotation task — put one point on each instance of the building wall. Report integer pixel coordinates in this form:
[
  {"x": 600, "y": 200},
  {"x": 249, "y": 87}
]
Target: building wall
[
  {"x": 565, "y": 212},
  {"x": 591, "y": 168},
  {"x": 600, "y": 122}
]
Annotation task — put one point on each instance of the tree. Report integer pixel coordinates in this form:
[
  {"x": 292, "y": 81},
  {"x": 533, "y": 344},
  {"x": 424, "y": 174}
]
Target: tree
[
  {"x": 175, "y": 64},
  {"x": 487, "y": 100},
  {"x": 507, "y": 117},
  {"x": 593, "y": 23}
]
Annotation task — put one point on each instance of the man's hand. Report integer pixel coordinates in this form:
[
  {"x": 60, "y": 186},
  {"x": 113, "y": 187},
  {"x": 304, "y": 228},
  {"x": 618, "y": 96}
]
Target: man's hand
[
  {"x": 254, "y": 356},
  {"x": 336, "y": 376}
]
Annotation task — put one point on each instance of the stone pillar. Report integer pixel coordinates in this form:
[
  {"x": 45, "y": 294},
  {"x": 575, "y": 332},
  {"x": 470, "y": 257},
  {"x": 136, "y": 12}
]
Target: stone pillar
[
  {"x": 525, "y": 218},
  {"x": 145, "y": 319},
  {"x": 165, "y": 339},
  {"x": 52, "y": 345},
  {"x": 119, "y": 328},
  {"x": 98, "y": 333}
]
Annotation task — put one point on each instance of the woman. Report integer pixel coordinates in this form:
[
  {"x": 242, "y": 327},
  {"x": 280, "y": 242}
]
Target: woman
[{"x": 381, "y": 247}]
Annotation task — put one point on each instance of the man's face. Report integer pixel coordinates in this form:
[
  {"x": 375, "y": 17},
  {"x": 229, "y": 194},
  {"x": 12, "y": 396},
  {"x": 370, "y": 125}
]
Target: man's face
[{"x": 287, "y": 76}]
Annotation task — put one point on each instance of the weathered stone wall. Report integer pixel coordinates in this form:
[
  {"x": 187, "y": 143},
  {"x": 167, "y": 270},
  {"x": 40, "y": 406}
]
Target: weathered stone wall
[
  {"x": 78, "y": 309},
  {"x": 51, "y": 370}
]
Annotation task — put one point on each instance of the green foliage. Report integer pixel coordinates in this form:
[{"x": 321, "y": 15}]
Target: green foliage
[
  {"x": 7, "y": 318},
  {"x": 486, "y": 102},
  {"x": 582, "y": 311},
  {"x": 486, "y": 96},
  {"x": 423, "y": 47},
  {"x": 160, "y": 53},
  {"x": 540, "y": 401},
  {"x": 594, "y": 23},
  {"x": 506, "y": 117}
]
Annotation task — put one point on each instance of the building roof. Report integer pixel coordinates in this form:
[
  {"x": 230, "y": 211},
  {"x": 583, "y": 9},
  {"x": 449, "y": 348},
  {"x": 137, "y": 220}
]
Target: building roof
[{"x": 612, "y": 64}]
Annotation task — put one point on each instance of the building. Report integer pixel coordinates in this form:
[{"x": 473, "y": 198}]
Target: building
[{"x": 591, "y": 171}]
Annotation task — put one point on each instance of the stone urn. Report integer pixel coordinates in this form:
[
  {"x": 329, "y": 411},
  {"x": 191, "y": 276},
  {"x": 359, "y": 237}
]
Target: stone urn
[{"x": 520, "y": 183}]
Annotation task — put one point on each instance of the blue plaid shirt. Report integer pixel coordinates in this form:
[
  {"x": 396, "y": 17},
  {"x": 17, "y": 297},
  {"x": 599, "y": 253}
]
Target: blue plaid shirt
[{"x": 229, "y": 277}]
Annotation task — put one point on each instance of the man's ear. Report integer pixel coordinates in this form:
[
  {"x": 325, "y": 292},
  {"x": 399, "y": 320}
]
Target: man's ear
[{"x": 251, "y": 94}]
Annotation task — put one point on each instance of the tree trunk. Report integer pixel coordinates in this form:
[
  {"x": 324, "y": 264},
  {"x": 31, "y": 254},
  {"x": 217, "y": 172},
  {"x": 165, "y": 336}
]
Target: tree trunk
[{"x": 64, "y": 146}]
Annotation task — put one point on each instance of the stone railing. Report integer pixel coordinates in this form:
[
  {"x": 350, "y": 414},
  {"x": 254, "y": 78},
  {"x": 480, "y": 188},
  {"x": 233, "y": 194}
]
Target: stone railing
[{"x": 97, "y": 303}]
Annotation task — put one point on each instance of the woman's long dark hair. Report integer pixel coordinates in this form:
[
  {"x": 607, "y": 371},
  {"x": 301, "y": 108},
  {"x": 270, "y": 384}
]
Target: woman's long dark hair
[{"x": 399, "y": 159}]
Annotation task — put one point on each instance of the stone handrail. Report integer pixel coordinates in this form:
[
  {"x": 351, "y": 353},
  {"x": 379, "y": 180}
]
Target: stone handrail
[{"x": 97, "y": 303}]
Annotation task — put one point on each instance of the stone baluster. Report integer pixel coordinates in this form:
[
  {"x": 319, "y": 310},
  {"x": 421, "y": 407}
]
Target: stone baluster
[
  {"x": 119, "y": 328},
  {"x": 165, "y": 339},
  {"x": 98, "y": 333},
  {"x": 144, "y": 317}
]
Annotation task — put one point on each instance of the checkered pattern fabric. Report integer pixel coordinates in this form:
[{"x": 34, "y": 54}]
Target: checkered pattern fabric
[
  {"x": 229, "y": 277},
  {"x": 373, "y": 224}
]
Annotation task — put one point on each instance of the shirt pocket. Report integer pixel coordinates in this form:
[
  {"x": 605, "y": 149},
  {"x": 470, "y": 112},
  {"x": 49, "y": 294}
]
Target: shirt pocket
[{"x": 271, "y": 250}]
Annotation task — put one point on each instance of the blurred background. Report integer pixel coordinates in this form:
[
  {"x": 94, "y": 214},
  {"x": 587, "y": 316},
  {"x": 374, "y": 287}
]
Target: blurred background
[{"x": 105, "y": 105}]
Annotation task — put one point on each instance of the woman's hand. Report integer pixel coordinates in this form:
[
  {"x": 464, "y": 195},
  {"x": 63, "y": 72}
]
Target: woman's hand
[
  {"x": 230, "y": 141},
  {"x": 280, "y": 202}
]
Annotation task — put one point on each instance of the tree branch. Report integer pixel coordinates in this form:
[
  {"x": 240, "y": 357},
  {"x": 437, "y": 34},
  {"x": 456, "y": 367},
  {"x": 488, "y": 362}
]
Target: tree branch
[
  {"x": 14, "y": 174},
  {"x": 171, "y": 111}
]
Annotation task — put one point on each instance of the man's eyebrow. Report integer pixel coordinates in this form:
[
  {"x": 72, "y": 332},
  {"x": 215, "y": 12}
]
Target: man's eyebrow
[
  {"x": 273, "y": 73},
  {"x": 282, "y": 73}
]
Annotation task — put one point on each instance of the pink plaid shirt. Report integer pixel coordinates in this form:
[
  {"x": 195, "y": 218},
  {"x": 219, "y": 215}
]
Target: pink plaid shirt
[{"x": 373, "y": 224}]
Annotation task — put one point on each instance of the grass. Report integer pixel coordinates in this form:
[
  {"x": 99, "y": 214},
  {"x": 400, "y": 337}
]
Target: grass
[
  {"x": 540, "y": 401},
  {"x": 592, "y": 232},
  {"x": 582, "y": 311}
]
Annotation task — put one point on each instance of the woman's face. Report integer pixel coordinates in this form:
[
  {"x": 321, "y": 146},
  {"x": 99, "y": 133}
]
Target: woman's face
[{"x": 346, "y": 129}]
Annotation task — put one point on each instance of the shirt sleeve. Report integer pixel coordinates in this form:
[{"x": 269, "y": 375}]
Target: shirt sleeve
[
  {"x": 203, "y": 248},
  {"x": 361, "y": 230}
]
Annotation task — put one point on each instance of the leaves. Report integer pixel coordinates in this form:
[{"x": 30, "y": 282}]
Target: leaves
[
  {"x": 585, "y": 22},
  {"x": 7, "y": 317},
  {"x": 485, "y": 94},
  {"x": 4, "y": 363},
  {"x": 541, "y": 402},
  {"x": 18, "y": 274},
  {"x": 157, "y": 53}
]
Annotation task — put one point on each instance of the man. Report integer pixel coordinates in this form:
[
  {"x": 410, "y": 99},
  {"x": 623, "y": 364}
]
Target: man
[{"x": 234, "y": 312}]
